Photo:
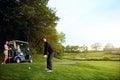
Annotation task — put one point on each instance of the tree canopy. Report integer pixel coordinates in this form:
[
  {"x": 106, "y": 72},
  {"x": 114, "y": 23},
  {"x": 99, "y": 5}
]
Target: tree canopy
[{"x": 29, "y": 20}]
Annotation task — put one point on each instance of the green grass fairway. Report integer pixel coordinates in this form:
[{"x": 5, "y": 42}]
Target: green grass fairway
[{"x": 82, "y": 70}]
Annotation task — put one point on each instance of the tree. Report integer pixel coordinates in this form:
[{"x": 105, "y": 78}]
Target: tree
[
  {"x": 72, "y": 49},
  {"x": 68, "y": 49},
  {"x": 84, "y": 48},
  {"x": 75, "y": 49},
  {"x": 96, "y": 46},
  {"x": 109, "y": 46},
  {"x": 29, "y": 20},
  {"x": 61, "y": 37}
]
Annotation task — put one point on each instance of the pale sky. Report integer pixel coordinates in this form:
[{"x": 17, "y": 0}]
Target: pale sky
[{"x": 88, "y": 21}]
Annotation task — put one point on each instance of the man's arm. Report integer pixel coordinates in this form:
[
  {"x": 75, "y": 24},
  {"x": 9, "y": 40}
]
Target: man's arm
[{"x": 46, "y": 48}]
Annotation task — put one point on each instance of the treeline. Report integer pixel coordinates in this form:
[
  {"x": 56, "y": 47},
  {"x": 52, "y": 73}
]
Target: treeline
[
  {"x": 108, "y": 48},
  {"x": 75, "y": 49},
  {"x": 29, "y": 20},
  {"x": 112, "y": 51}
]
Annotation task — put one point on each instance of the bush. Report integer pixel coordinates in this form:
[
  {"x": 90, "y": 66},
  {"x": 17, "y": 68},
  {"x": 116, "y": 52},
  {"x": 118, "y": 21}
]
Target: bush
[
  {"x": 106, "y": 58},
  {"x": 58, "y": 55}
]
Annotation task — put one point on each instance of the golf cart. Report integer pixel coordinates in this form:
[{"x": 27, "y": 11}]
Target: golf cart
[{"x": 19, "y": 55}]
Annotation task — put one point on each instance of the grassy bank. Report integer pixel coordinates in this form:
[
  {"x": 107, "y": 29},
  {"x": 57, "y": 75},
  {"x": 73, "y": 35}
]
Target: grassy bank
[{"x": 96, "y": 56}]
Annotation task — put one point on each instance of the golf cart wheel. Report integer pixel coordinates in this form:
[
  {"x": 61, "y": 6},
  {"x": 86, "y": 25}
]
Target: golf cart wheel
[
  {"x": 18, "y": 60},
  {"x": 30, "y": 61}
]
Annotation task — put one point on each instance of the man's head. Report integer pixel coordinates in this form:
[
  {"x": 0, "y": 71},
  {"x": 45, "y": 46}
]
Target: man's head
[{"x": 44, "y": 39}]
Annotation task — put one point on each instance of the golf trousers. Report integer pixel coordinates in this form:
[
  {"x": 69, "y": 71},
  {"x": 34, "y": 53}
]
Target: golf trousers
[{"x": 49, "y": 60}]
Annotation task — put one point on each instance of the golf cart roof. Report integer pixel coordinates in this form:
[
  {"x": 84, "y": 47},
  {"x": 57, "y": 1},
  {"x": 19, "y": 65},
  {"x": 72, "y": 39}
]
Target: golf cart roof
[{"x": 12, "y": 42}]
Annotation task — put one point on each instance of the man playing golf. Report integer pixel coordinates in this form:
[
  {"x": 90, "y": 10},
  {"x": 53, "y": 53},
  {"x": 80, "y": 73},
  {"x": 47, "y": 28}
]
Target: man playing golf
[{"x": 48, "y": 48}]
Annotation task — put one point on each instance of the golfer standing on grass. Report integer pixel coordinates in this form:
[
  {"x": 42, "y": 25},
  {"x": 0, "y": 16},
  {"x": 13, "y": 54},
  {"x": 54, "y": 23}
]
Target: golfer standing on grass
[{"x": 48, "y": 48}]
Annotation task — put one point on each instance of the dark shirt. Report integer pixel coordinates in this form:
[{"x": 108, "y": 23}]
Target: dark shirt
[{"x": 47, "y": 48}]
